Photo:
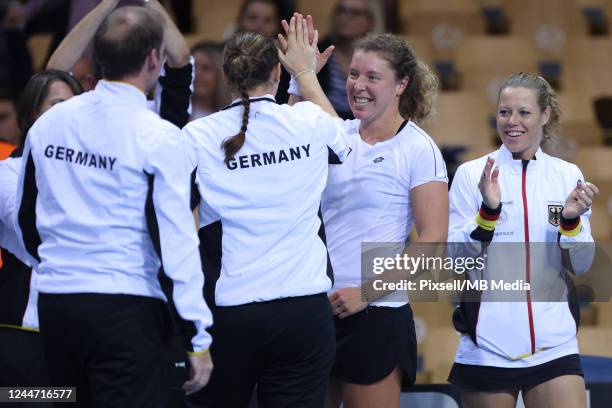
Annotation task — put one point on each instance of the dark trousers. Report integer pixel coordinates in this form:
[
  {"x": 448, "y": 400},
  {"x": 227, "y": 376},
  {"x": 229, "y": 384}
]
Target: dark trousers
[
  {"x": 111, "y": 347},
  {"x": 284, "y": 347},
  {"x": 22, "y": 363}
]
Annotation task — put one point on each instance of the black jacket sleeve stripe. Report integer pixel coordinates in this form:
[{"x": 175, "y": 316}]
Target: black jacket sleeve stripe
[
  {"x": 187, "y": 328},
  {"x": 27, "y": 210}
]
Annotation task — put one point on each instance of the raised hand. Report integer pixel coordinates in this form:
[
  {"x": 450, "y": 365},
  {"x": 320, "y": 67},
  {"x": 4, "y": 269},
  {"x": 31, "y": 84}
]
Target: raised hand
[
  {"x": 300, "y": 55},
  {"x": 579, "y": 200},
  {"x": 313, "y": 35},
  {"x": 489, "y": 185}
]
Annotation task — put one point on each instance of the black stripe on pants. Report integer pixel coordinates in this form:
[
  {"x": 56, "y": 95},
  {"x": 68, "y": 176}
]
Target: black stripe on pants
[{"x": 111, "y": 347}]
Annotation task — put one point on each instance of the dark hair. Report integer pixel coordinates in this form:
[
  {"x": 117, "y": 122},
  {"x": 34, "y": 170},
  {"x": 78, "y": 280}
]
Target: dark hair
[
  {"x": 545, "y": 96},
  {"x": 36, "y": 91},
  {"x": 417, "y": 103},
  {"x": 248, "y": 61},
  {"x": 6, "y": 95},
  {"x": 125, "y": 38}
]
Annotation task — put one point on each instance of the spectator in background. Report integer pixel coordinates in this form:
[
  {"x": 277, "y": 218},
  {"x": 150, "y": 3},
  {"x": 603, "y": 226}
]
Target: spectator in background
[
  {"x": 9, "y": 131},
  {"x": 351, "y": 20},
  {"x": 259, "y": 16},
  {"x": 16, "y": 66},
  {"x": 209, "y": 90}
]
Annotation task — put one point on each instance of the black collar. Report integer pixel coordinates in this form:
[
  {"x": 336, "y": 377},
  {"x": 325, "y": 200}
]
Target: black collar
[
  {"x": 402, "y": 126},
  {"x": 239, "y": 103}
]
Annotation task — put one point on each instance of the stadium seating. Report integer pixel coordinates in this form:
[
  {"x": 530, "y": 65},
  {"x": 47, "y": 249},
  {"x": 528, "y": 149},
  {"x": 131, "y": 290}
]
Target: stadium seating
[
  {"x": 532, "y": 17},
  {"x": 595, "y": 341},
  {"x": 586, "y": 66},
  {"x": 578, "y": 119},
  {"x": 215, "y": 18},
  {"x": 483, "y": 62},
  {"x": 463, "y": 118}
]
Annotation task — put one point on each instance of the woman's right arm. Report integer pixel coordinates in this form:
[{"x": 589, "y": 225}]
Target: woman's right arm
[{"x": 465, "y": 234}]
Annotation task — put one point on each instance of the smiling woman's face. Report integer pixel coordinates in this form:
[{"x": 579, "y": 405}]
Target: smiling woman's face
[
  {"x": 520, "y": 121},
  {"x": 372, "y": 86}
]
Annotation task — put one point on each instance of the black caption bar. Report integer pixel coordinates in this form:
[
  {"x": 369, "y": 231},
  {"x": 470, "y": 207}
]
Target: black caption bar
[{"x": 38, "y": 394}]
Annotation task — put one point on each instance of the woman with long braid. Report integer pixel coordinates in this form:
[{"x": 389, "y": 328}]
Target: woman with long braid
[{"x": 261, "y": 169}]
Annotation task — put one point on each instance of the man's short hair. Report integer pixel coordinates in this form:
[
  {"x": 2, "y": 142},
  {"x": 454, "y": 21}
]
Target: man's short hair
[{"x": 124, "y": 39}]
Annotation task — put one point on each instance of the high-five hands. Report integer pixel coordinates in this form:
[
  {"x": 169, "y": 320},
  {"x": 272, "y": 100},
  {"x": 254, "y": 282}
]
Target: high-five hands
[{"x": 306, "y": 26}]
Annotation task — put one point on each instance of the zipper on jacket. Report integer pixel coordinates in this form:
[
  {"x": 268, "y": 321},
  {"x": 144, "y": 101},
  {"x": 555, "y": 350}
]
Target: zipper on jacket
[{"x": 527, "y": 255}]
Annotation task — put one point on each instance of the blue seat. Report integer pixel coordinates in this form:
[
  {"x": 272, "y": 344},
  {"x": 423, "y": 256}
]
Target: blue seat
[{"x": 597, "y": 369}]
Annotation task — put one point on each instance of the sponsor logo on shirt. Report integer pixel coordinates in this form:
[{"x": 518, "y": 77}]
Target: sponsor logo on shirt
[{"x": 378, "y": 159}]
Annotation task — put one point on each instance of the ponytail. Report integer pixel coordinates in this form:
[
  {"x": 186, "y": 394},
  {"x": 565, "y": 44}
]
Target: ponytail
[
  {"x": 232, "y": 145},
  {"x": 248, "y": 61}
]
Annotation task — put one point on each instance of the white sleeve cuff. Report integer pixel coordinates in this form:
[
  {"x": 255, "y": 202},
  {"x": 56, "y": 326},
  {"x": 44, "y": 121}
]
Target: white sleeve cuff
[{"x": 294, "y": 88}]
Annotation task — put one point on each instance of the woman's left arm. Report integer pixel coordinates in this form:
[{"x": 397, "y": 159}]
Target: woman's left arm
[
  {"x": 575, "y": 231},
  {"x": 430, "y": 209}
]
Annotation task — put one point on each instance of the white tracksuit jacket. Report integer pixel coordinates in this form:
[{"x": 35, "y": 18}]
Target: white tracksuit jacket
[
  {"x": 103, "y": 202},
  {"x": 521, "y": 332}
]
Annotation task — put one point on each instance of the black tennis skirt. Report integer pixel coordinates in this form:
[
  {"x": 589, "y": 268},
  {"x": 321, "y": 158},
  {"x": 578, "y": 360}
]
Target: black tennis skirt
[
  {"x": 491, "y": 379},
  {"x": 371, "y": 343}
]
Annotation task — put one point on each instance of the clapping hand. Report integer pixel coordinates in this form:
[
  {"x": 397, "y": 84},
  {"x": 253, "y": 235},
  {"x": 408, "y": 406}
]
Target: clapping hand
[
  {"x": 579, "y": 200},
  {"x": 489, "y": 185}
]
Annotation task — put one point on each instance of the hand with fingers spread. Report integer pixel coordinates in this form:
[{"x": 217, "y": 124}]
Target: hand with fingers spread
[
  {"x": 347, "y": 301},
  {"x": 201, "y": 367},
  {"x": 489, "y": 184},
  {"x": 300, "y": 55},
  {"x": 579, "y": 200},
  {"x": 322, "y": 57}
]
